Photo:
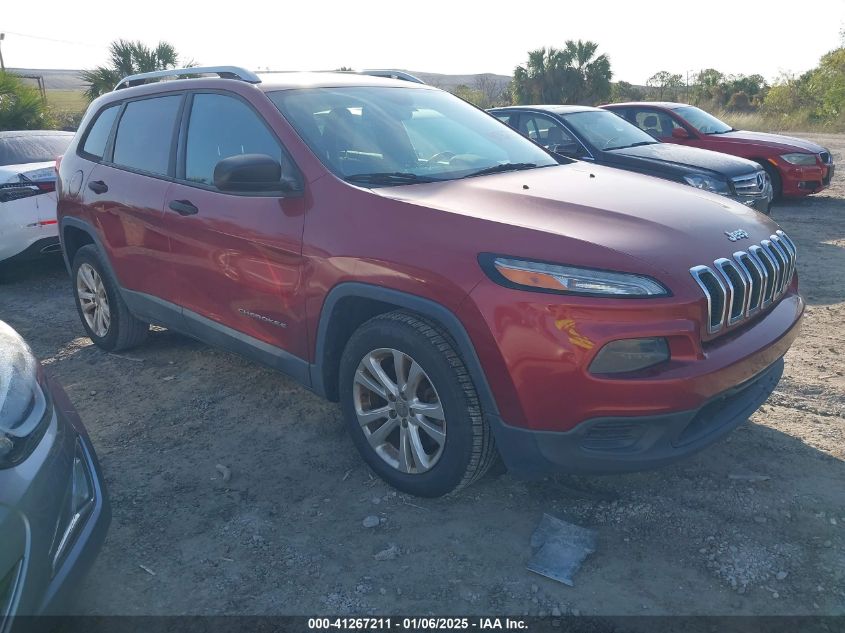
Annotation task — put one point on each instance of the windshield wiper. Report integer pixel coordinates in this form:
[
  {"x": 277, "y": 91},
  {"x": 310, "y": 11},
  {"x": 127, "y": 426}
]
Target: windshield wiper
[
  {"x": 495, "y": 169},
  {"x": 637, "y": 144},
  {"x": 719, "y": 132},
  {"x": 389, "y": 178}
]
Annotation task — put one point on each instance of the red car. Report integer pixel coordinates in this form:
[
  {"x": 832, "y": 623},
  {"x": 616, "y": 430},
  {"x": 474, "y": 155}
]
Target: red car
[
  {"x": 461, "y": 292},
  {"x": 796, "y": 167}
]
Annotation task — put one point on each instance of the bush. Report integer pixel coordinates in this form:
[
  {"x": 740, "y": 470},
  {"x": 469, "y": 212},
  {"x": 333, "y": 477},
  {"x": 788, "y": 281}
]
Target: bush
[
  {"x": 739, "y": 102},
  {"x": 21, "y": 106},
  {"x": 68, "y": 121}
]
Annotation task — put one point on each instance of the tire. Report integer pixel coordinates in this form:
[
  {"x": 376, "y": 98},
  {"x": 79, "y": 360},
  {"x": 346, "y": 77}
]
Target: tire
[
  {"x": 122, "y": 330},
  {"x": 777, "y": 184},
  {"x": 430, "y": 468}
]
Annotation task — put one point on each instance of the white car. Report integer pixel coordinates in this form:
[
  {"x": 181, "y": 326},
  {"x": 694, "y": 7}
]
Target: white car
[{"x": 28, "y": 226}]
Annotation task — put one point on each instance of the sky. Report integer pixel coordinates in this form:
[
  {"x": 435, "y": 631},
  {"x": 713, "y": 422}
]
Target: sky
[{"x": 444, "y": 36}]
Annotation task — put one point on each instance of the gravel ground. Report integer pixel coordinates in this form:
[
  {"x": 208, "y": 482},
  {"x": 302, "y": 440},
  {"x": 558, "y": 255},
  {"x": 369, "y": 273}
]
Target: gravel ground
[{"x": 753, "y": 525}]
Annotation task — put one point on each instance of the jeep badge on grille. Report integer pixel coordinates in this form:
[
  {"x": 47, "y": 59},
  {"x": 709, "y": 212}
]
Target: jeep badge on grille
[{"x": 739, "y": 234}]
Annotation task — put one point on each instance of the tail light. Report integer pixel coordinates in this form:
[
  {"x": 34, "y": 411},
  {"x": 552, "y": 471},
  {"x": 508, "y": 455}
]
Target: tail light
[
  {"x": 58, "y": 164},
  {"x": 17, "y": 190},
  {"x": 30, "y": 183}
]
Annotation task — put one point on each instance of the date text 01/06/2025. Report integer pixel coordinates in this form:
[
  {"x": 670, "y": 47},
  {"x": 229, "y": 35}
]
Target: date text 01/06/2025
[{"x": 416, "y": 624}]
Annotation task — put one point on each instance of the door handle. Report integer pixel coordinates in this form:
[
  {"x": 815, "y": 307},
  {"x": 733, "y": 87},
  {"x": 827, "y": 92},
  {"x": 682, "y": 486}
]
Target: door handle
[
  {"x": 98, "y": 186},
  {"x": 183, "y": 207}
]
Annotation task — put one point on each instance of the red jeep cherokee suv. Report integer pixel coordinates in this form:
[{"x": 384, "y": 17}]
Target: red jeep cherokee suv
[
  {"x": 461, "y": 292},
  {"x": 795, "y": 166}
]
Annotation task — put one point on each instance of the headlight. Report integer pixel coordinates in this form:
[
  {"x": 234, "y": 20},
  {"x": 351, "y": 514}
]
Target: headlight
[
  {"x": 541, "y": 277},
  {"x": 708, "y": 183},
  {"x": 23, "y": 404},
  {"x": 799, "y": 159},
  {"x": 630, "y": 355}
]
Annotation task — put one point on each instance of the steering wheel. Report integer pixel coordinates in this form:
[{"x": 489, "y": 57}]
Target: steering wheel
[
  {"x": 441, "y": 156},
  {"x": 609, "y": 141}
]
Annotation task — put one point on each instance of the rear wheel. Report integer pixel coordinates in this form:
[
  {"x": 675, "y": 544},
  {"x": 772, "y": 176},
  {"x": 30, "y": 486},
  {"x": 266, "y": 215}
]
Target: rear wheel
[
  {"x": 104, "y": 314},
  {"x": 411, "y": 406}
]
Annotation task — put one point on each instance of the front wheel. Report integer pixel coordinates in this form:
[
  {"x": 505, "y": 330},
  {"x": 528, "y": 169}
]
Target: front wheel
[
  {"x": 411, "y": 406},
  {"x": 777, "y": 183}
]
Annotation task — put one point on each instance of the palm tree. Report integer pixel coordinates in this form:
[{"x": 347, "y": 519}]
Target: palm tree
[
  {"x": 129, "y": 58},
  {"x": 593, "y": 73},
  {"x": 569, "y": 75},
  {"x": 21, "y": 106}
]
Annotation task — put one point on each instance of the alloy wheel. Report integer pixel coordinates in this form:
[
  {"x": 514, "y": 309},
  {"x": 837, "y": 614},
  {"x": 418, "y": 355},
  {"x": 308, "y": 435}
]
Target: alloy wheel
[
  {"x": 399, "y": 411},
  {"x": 93, "y": 300}
]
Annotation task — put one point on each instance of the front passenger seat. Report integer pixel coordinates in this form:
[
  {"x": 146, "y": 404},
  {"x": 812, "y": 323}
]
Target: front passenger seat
[{"x": 650, "y": 125}]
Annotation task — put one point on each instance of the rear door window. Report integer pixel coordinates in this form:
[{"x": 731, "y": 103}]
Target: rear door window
[
  {"x": 145, "y": 134},
  {"x": 544, "y": 130},
  {"x": 655, "y": 122},
  {"x": 504, "y": 118},
  {"x": 98, "y": 133}
]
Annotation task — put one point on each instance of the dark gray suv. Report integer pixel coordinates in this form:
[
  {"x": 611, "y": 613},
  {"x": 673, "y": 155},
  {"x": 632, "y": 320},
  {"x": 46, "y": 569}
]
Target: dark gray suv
[{"x": 53, "y": 508}]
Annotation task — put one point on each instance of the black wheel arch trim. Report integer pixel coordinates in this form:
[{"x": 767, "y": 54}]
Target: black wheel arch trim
[
  {"x": 86, "y": 227},
  {"x": 403, "y": 300}
]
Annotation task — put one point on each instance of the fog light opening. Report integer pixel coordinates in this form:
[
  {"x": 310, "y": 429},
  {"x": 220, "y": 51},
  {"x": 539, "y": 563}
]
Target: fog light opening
[
  {"x": 627, "y": 355},
  {"x": 80, "y": 504}
]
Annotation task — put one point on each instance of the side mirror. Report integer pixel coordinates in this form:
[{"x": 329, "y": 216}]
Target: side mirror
[
  {"x": 251, "y": 172},
  {"x": 570, "y": 150},
  {"x": 679, "y": 133}
]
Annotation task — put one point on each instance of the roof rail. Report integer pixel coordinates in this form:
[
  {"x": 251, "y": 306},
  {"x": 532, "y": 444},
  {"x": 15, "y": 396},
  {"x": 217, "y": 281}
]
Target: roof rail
[
  {"x": 392, "y": 74},
  {"x": 226, "y": 72}
]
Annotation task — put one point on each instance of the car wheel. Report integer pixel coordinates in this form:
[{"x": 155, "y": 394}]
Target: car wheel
[
  {"x": 411, "y": 406},
  {"x": 777, "y": 183},
  {"x": 104, "y": 314}
]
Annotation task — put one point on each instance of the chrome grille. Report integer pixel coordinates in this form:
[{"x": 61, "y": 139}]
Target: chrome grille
[
  {"x": 748, "y": 281},
  {"x": 750, "y": 184}
]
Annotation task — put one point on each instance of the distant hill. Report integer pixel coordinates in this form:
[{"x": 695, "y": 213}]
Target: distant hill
[
  {"x": 62, "y": 79},
  {"x": 450, "y": 82},
  {"x": 55, "y": 79}
]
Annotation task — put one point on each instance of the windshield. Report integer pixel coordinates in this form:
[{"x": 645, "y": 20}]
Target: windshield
[
  {"x": 606, "y": 130},
  {"x": 20, "y": 150},
  {"x": 403, "y": 135},
  {"x": 702, "y": 121}
]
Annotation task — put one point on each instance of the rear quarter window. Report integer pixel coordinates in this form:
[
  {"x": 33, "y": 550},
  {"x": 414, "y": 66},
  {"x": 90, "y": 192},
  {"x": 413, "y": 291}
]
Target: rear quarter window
[
  {"x": 98, "y": 134},
  {"x": 145, "y": 134}
]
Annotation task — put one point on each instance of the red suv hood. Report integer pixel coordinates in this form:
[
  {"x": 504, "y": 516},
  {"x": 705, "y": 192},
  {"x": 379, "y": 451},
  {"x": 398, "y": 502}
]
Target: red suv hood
[
  {"x": 776, "y": 141},
  {"x": 664, "y": 225}
]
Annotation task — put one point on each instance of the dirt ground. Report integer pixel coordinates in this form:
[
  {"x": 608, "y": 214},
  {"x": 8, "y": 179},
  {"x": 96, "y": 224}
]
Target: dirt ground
[{"x": 753, "y": 525}]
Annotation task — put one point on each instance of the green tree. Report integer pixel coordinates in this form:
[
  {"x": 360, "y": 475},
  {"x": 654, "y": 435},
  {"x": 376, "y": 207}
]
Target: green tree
[
  {"x": 787, "y": 96},
  {"x": 826, "y": 84},
  {"x": 128, "y": 58},
  {"x": 573, "y": 74},
  {"x": 707, "y": 87},
  {"x": 664, "y": 85},
  {"x": 624, "y": 91},
  {"x": 21, "y": 106},
  {"x": 593, "y": 73},
  {"x": 475, "y": 97}
]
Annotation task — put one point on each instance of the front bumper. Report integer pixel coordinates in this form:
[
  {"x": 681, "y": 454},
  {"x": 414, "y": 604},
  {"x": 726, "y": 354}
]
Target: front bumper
[
  {"x": 799, "y": 180},
  {"x": 631, "y": 443},
  {"x": 45, "y": 548}
]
